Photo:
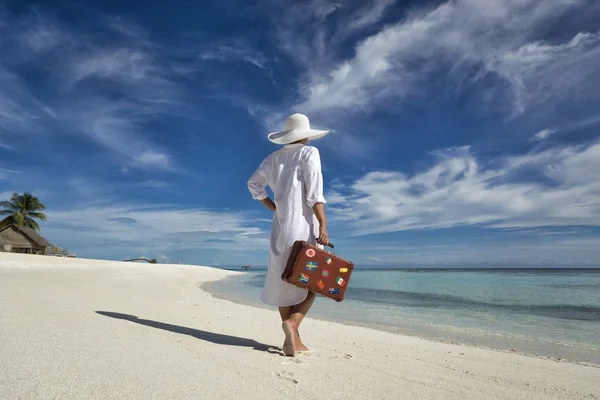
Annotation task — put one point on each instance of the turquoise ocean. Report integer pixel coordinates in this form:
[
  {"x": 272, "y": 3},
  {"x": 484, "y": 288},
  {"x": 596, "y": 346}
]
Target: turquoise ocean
[{"x": 548, "y": 312}]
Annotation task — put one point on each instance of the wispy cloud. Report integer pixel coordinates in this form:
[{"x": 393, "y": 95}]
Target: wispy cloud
[
  {"x": 105, "y": 85},
  {"x": 236, "y": 52},
  {"x": 153, "y": 159},
  {"x": 583, "y": 123},
  {"x": 5, "y": 195},
  {"x": 7, "y": 173},
  {"x": 496, "y": 38},
  {"x": 554, "y": 187},
  {"x": 543, "y": 134},
  {"x": 20, "y": 112},
  {"x": 7, "y": 147},
  {"x": 121, "y": 230},
  {"x": 368, "y": 15},
  {"x": 494, "y": 47}
]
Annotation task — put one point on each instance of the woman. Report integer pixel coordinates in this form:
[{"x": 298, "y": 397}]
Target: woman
[{"x": 294, "y": 175}]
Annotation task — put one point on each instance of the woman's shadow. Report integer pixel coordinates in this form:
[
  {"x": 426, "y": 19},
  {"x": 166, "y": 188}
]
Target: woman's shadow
[{"x": 216, "y": 338}]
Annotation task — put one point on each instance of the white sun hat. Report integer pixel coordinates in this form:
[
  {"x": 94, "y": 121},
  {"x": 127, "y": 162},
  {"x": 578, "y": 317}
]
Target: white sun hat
[{"x": 297, "y": 127}]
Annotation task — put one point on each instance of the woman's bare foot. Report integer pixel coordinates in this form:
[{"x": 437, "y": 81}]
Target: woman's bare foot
[
  {"x": 289, "y": 345},
  {"x": 300, "y": 347}
]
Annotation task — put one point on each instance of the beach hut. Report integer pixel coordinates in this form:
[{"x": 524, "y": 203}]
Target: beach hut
[{"x": 22, "y": 239}]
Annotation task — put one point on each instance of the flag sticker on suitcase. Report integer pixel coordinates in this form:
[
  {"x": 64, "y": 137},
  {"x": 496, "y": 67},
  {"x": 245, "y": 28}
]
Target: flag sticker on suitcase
[
  {"x": 311, "y": 266},
  {"x": 315, "y": 269},
  {"x": 303, "y": 279}
]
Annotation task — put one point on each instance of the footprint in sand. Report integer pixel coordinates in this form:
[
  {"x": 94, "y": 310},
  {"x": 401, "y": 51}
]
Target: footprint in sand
[
  {"x": 293, "y": 361},
  {"x": 345, "y": 356},
  {"x": 288, "y": 376}
]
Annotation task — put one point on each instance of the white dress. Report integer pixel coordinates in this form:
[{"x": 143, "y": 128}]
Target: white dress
[{"x": 294, "y": 175}]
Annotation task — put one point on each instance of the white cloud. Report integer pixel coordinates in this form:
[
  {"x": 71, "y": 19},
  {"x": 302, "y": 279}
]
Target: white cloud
[
  {"x": 5, "y": 195},
  {"x": 7, "y": 147},
  {"x": 301, "y": 31},
  {"x": 122, "y": 64},
  {"x": 105, "y": 86},
  {"x": 236, "y": 53},
  {"x": 152, "y": 184},
  {"x": 368, "y": 15},
  {"x": 7, "y": 173},
  {"x": 492, "y": 45},
  {"x": 583, "y": 123},
  {"x": 42, "y": 35},
  {"x": 543, "y": 134},
  {"x": 554, "y": 187},
  {"x": 20, "y": 111},
  {"x": 118, "y": 230},
  {"x": 154, "y": 159}
]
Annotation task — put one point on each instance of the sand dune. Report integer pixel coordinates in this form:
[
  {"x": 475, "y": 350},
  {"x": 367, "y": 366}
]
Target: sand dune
[{"x": 75, "y": 328}]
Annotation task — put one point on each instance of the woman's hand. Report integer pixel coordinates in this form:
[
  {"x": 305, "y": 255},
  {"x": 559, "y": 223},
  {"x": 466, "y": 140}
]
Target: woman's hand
[
  {"x": 319, "y": 211},
  {"x": 323, "y": 236},
  {"x": 269, "y": 204}
]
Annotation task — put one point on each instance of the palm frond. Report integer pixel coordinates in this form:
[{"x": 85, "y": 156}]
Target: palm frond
[
  {"x": 6, "y": 221},
  {"x": 15, "y": 198},
  {"x": 37, "y": 215},
  {"x": 8, "y": 204},
  {"x": 32, "y": 224},
  {"x": 18, "y": 218}
]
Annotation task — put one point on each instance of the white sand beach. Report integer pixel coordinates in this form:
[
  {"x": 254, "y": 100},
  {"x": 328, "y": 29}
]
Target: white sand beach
[{"x": 78, "y": 329}]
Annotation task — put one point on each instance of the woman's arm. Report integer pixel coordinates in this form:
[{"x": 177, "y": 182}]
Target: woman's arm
[
  {"x": 313, "y": 181},
  {"x": 257, "y": 184},
  {"x": 269, "y": 204},
  {"x": 319, "y": 210}
]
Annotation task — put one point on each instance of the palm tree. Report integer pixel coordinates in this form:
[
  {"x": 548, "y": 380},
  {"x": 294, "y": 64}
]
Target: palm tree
[{"x": 21, "y": 210}]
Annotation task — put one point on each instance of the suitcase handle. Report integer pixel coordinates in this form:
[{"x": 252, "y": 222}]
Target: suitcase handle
[{"x": 330, "y": 245}]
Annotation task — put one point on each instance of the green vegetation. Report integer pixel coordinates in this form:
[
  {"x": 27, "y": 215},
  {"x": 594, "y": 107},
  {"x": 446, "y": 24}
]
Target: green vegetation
[{"x": 23, "y": 210}]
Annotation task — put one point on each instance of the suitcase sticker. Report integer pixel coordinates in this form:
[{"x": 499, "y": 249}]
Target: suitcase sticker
[
  {"x": 303, "y": 279},
  {"x": 311, "y": 266},
  {"x": 318, "y": 270}
]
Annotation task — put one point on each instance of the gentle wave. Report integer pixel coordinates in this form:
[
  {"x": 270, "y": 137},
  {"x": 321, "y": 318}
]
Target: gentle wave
[
  {"x": 445, "y": 301},
  {"x": 573, "y": 285}
]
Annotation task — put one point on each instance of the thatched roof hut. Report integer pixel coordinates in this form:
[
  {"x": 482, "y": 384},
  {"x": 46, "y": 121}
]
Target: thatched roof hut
[{"x": 22, "y": 239}]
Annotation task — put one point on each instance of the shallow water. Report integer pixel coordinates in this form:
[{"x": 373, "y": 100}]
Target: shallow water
[{"x": 549, "y": 312}]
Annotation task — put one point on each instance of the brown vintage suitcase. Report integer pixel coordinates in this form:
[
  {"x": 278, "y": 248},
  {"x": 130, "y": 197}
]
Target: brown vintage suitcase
[{"x": 318, "y": 270}]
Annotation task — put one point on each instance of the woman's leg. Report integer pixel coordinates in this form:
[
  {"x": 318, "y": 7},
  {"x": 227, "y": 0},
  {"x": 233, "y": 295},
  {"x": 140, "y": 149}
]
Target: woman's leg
[
  {"x": 285, "y": 312},
  {"x": 292, "y": 323}
]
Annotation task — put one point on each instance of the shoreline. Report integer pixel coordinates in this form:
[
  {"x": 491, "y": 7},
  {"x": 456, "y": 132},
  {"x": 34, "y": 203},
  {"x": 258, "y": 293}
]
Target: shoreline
[
  {"x": 107, "y": 329},
  {"x": 510, "y": 344}
]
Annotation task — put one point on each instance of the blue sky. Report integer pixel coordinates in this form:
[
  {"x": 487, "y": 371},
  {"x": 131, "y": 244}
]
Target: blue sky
[{"x": 463, "y": 132}]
